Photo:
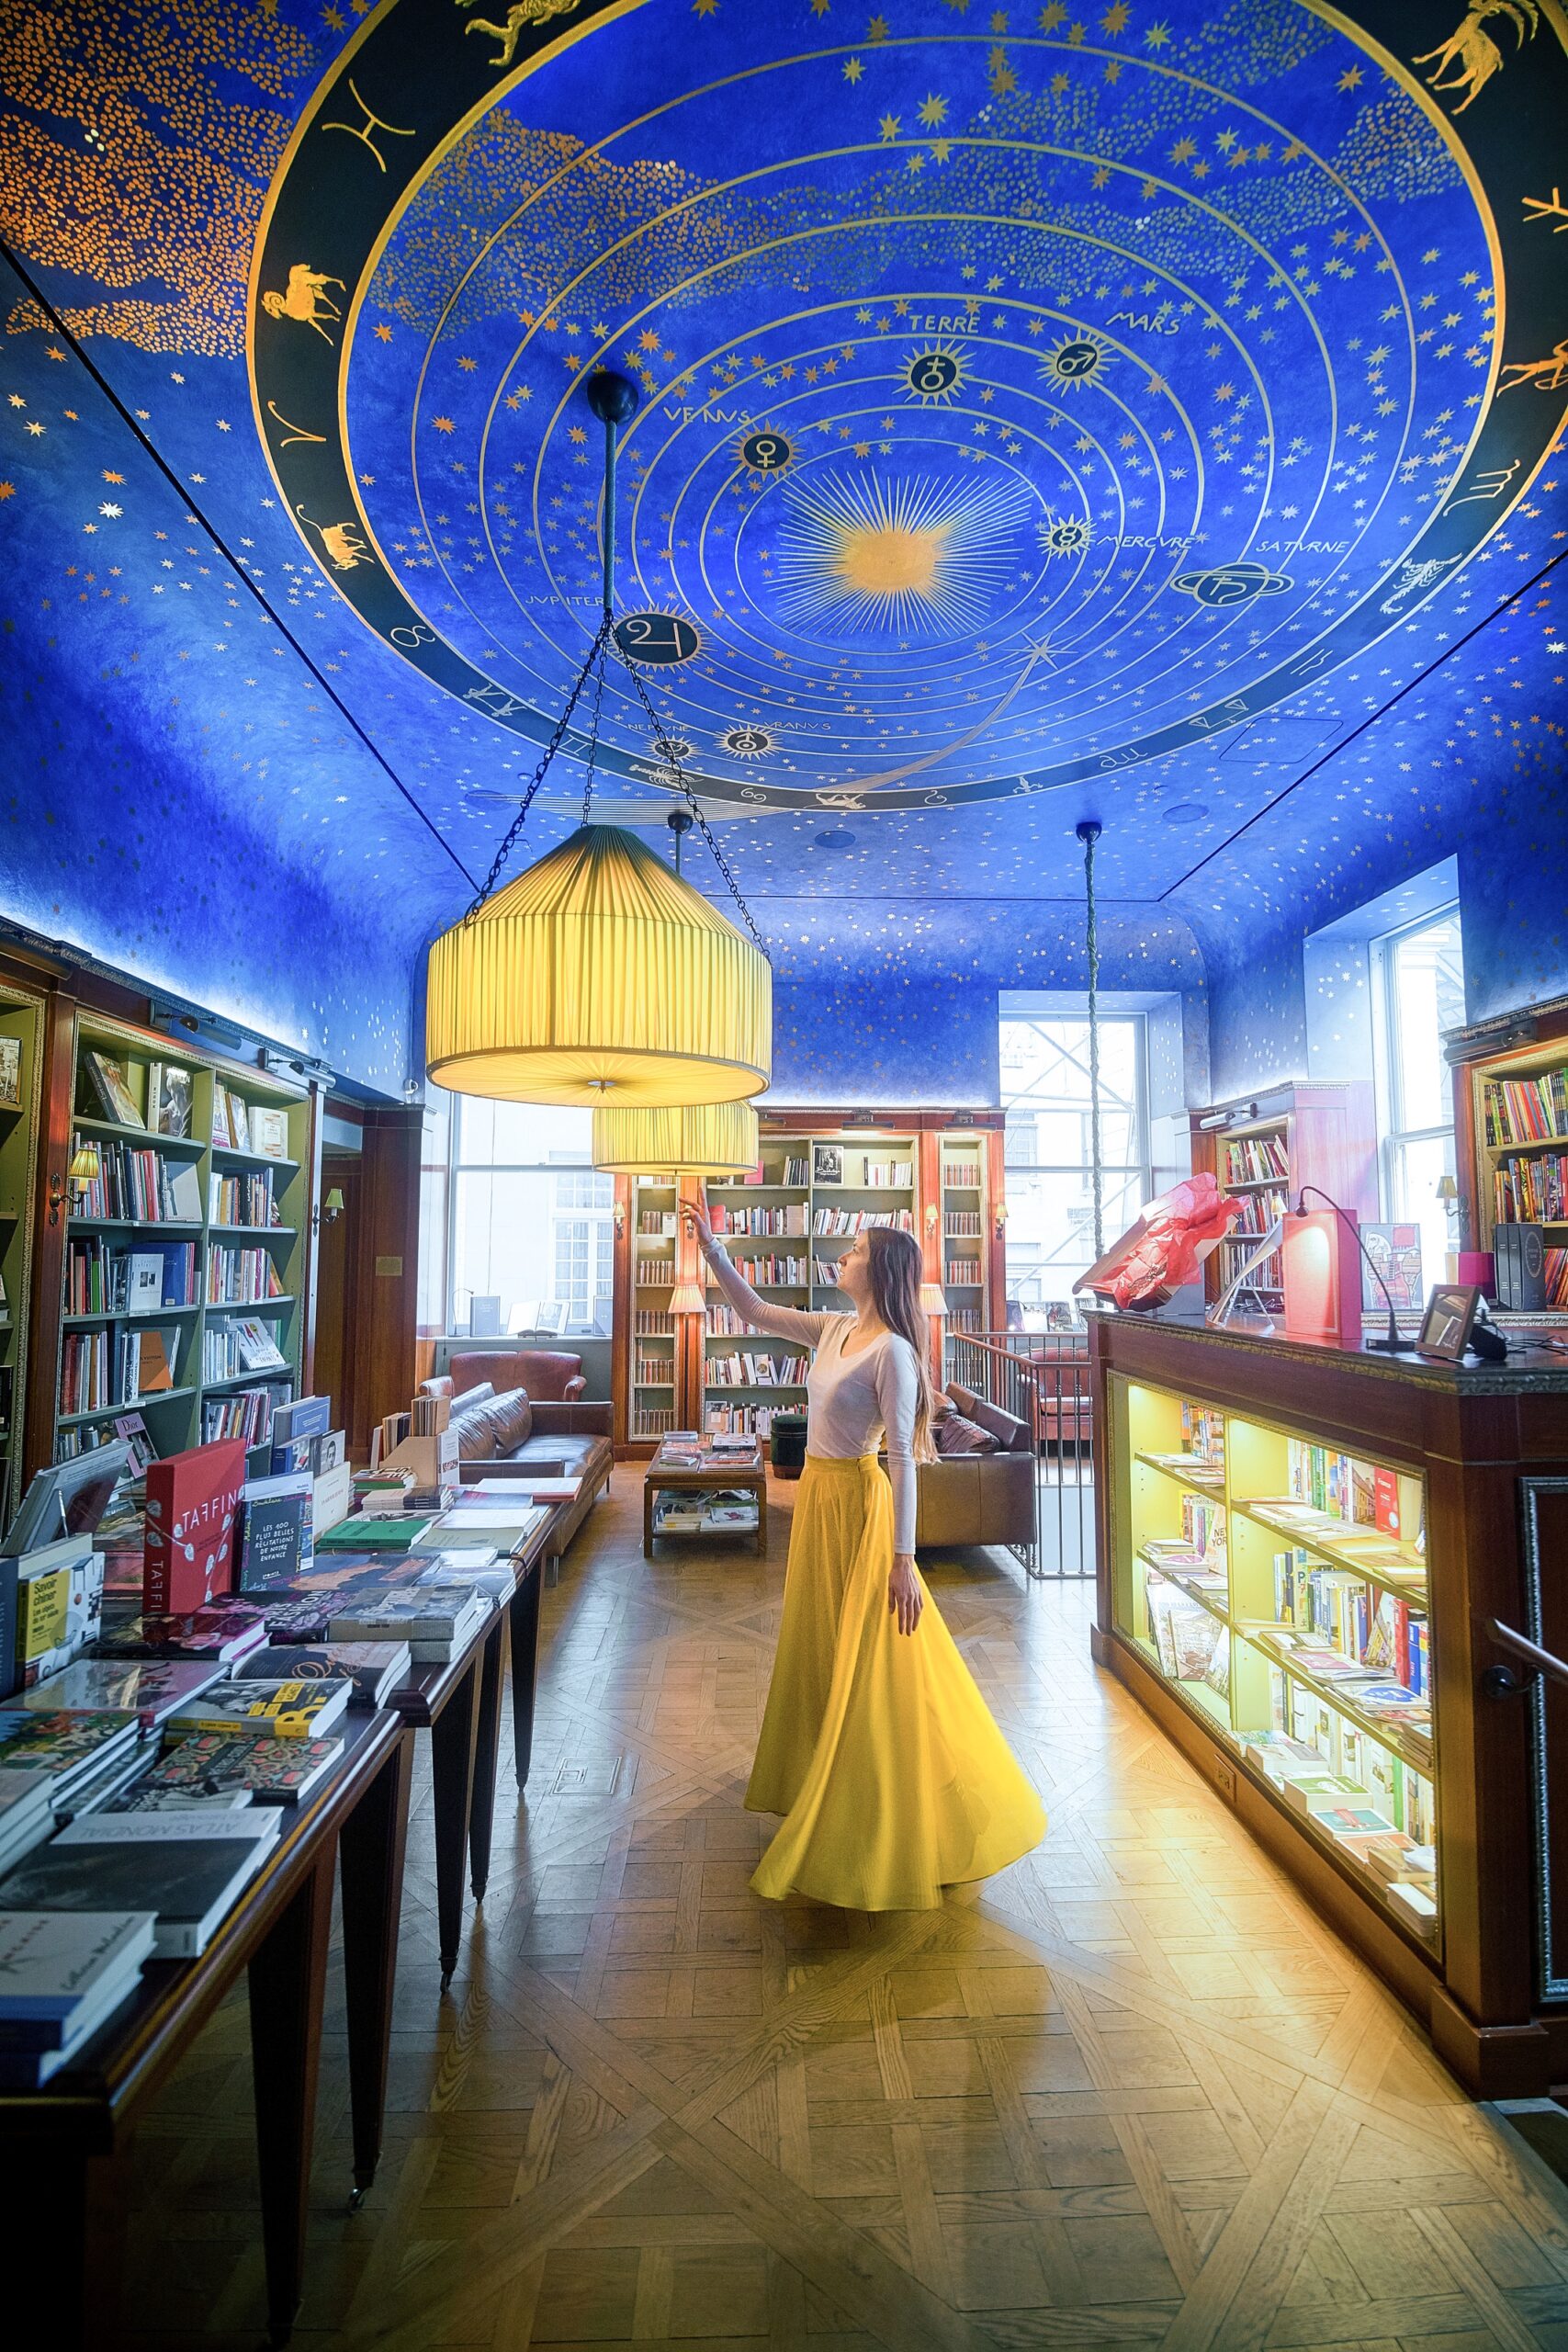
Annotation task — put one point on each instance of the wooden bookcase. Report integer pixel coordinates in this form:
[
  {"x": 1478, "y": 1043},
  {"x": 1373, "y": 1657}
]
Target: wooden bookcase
[
  {"x": 667, "y": 1375},
  {"x": 1264, "y": 1148},
  {"x": 205, "y": 1373},
  {"x": 21, "y": 1093},
  {"x": 1485, "y": 1154}
]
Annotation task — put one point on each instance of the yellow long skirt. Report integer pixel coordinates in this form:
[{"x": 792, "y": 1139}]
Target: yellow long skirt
[{"x": 876, "y": 1746}]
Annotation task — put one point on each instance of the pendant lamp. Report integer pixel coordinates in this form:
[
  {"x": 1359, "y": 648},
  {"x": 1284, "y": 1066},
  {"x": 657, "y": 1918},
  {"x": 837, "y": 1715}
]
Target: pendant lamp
[
  {"x": 704, "y": 1139},
  {"x": 598, "y": 976}
]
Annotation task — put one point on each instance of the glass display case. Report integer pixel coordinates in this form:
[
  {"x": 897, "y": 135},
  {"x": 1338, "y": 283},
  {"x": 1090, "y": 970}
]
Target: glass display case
[{"x": 1278, "y": 1586}]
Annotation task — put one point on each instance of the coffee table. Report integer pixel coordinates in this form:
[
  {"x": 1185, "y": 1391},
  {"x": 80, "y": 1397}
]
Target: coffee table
[{"x": 714, "y": 1473}]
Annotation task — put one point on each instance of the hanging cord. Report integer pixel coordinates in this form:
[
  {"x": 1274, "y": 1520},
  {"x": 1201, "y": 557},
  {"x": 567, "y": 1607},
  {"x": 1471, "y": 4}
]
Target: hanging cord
[
  {"x": 665, "y": 745},
  {"x": 1089, "y": 833},
  {"x": 551, "y": 748},
  {"x": 601, "y": 651}
]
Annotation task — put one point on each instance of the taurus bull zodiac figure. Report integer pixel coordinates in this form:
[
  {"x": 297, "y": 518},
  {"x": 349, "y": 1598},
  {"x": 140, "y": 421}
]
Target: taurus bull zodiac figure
[
  {"x": 518, "y": 19},
  {"x": 306, "y": 299},
  {"x": 1474, "y": 54}
]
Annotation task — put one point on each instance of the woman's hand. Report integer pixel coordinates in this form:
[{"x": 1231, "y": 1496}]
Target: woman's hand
[
  {"x": 904, "y": 1595},
  {"x": 698, "y": 1223}
]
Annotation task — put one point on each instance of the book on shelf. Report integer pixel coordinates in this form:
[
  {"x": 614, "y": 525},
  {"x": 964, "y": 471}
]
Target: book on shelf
[
  {"x": 231, "y": 1120},
  {"x": 270, "y": 1771},
  {"x": 246, "y": 1413},
  {"x": 108, "y": 1082},
  {"x": 962, "y": 1273},
  {"x": 960, "y": 1175},
  {"x": 269, "y": 1131},
  {"x": 832, "y": 1221},
  {"x": 169, "y": 1086},
  {"x": 62, "y": 1975},
  {"x": 1253, "y": 1159},
  {"x": 140, "y": 1186},
  {"x": 1526, "y": 1110},
  {"x": 241, "y": 1343},
  {"x": 961, "y": 1224},
  {"x": 193, "y": 1500},
  {"x": 1532, "y": 1190},
  {"x": 240, "y": 1277},
  {"x": 740, "y": 1371},
  {"x": 242, "y": 1200}
]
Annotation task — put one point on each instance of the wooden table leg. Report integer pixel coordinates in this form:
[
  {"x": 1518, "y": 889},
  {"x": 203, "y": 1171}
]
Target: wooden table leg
[
  {"x": 46, "y": 2225},
  {"x": 288, "y": 1977},
  {"x": 523, "y": 1611},
  {"x": 648, "y": 1519},
  {"x": 487, "y": 1753},
  {"x": 452, "y": 1737},
  {"x": 371, "y": 1846}
]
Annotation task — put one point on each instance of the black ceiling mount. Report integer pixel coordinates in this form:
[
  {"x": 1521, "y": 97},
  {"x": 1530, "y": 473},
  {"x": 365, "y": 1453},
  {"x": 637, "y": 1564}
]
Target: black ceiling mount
[{"x": 613, "y": 399}]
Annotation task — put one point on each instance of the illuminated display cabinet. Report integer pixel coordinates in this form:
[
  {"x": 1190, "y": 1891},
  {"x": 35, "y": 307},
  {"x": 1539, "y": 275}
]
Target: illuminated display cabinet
[{"x": 1301, "y": 1553}]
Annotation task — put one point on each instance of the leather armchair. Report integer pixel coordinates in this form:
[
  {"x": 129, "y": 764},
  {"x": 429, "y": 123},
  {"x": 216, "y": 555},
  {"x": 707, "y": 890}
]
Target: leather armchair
[
  {"x": 979, "y": 1497},
  {"x": 549, "y": 1376}
]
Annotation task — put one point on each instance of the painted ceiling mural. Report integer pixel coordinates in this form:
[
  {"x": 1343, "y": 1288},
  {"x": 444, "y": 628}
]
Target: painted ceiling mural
[{"x": 1042, "y": 412}]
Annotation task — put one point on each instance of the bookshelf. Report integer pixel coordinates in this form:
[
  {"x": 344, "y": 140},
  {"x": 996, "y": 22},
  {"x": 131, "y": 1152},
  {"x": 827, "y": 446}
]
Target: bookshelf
[
  {"x": 1512, "y": 1131},
  {"x": 654, "y": 1372},
  {"x": 20, "y": 1094},
  {"x": 1262, "y": 1150},
  {"x": 194, "y": 1232},
  {"x": 964, "y": 1237}
]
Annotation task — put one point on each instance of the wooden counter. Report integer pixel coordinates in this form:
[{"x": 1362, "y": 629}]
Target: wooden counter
[{"x": 1489, "y": 1445}]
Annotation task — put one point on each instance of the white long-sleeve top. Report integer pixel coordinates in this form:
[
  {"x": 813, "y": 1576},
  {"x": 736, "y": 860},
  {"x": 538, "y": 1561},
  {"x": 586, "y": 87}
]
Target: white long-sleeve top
[{"x": 858, "y": 1401}]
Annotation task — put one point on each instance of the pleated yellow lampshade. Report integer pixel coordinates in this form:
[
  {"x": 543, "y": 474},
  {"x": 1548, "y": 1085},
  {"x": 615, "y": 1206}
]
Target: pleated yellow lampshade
[
  {"x": 709, "y": 1139},
  {"x": 599, "y": 977}
]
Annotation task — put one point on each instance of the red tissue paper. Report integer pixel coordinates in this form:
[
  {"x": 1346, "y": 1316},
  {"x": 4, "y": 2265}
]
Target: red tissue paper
[{"x": 1166, "y": 1246}]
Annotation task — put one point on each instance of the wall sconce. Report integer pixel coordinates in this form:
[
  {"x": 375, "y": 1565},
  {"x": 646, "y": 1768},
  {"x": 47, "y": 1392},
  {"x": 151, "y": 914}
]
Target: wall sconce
[
  {"x": 619, "y": 1214},
  {"x": 1000, "y": 1217},
  {"x": 85, "y": 1168},
  {"x": 931, "y": 1217},
  {"x": 328, "y": 1212}
]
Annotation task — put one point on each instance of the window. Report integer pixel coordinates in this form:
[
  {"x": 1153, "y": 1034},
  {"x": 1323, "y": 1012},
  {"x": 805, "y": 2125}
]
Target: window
[
  {"x": 530, "y": 1237},
  {"x": 1044, "y": 1066},
  {"x": 1421, "y": 994}
]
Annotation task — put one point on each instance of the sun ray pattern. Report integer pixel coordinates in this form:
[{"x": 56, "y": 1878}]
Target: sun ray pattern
[{"x": 902, "y": 554}]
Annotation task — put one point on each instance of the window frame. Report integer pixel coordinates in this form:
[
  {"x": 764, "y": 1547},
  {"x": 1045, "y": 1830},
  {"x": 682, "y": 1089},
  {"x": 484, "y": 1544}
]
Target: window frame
[
  {"x": 457, "y": 1167},
  {"x": 1393, "y": 1138},
  {"x": 1140, "y": 1168}
]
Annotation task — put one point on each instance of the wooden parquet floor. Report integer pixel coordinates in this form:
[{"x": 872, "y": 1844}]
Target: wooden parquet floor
[{"x": 1128, "y": 2096}]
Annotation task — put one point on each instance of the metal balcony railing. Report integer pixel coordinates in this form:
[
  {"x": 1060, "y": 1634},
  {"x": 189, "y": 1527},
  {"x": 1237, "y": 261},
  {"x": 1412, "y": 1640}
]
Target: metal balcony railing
[{"x": 1043, "y": 1378}]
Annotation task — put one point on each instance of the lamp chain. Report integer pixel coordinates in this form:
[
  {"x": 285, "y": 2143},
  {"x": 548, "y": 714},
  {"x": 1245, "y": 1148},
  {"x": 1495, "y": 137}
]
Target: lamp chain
[
  {"x": 551, "y": 748},
  {"x": 1089, "y": 833},
  {"x": 673, "y": 760}
]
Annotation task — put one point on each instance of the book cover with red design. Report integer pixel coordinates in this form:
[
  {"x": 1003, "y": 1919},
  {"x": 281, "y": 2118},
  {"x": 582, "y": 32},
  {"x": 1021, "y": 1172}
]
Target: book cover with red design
[{"x": 193, "y": 1503}]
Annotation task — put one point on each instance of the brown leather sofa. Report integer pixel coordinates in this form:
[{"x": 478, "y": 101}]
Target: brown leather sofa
[
  {"x": 548, "y": 1437},
  {"x": 551, "y": 1376},
  {"x": 978, "y": 1498}
]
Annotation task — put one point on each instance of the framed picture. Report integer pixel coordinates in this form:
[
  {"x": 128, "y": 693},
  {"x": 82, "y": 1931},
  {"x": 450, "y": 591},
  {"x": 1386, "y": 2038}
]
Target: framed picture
[
  {"x": 1445, "y": 1327},
  {"x": 827, "y": 1164},
  {"x": 269, "y": 1131},
  {"x": 1396, "y": 1251},
  {"x": 10, "y": 1073}
]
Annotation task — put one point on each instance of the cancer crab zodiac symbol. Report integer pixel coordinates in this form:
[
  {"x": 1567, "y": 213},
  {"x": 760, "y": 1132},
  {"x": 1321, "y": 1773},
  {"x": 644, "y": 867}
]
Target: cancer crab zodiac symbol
[{"x": 306, "y": 299}]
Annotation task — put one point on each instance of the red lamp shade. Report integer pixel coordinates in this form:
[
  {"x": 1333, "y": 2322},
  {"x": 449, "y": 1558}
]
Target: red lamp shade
[{"x": 1321, "y": 1263}]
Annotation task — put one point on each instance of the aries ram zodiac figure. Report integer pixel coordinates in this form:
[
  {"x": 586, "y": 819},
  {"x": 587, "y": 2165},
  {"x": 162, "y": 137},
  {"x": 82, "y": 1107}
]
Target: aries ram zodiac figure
[
  {"x": 1474, "y": 54},
  {"x": 518, "y": 19},
  {"x": 306, "y": 299}
]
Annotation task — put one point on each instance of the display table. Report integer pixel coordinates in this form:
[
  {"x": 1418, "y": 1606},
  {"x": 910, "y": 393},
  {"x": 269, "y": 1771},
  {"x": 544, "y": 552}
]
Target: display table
[
  {"x": 713, "y": 1474},
  {"x": 279, "y": 1931},
  {"x": 1310, "y": 1562}
]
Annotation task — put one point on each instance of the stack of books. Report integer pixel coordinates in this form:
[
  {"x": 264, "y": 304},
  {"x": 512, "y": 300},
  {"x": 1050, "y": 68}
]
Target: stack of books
[
  {"x": 88, "y": 1757},
  {"x": 266, "y": 1710},
  {"x": 188, "y": 1869},
  {"x": 215, "y": 1770},
  {"x": 149, "y": 1689},
  {"x": 373, "y": 1669},
  {"x": 63, "y": 1974},
  {"x": 27, "y": 1816}
]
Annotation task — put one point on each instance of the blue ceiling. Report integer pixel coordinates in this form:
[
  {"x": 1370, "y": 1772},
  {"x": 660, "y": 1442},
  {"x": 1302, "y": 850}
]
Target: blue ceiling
[{"x": 1148, "y": 413}]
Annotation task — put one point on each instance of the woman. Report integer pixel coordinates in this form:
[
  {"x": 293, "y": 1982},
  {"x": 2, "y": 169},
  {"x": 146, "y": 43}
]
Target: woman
[{"x": 876, "y": 1746}]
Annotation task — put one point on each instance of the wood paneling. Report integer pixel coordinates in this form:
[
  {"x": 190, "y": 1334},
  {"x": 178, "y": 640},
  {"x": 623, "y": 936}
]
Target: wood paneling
[{"x": 382, "y": 1317}]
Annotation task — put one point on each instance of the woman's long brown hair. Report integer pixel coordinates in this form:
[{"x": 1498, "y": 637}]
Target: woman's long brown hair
[{"x": 895, "y": 1270}]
